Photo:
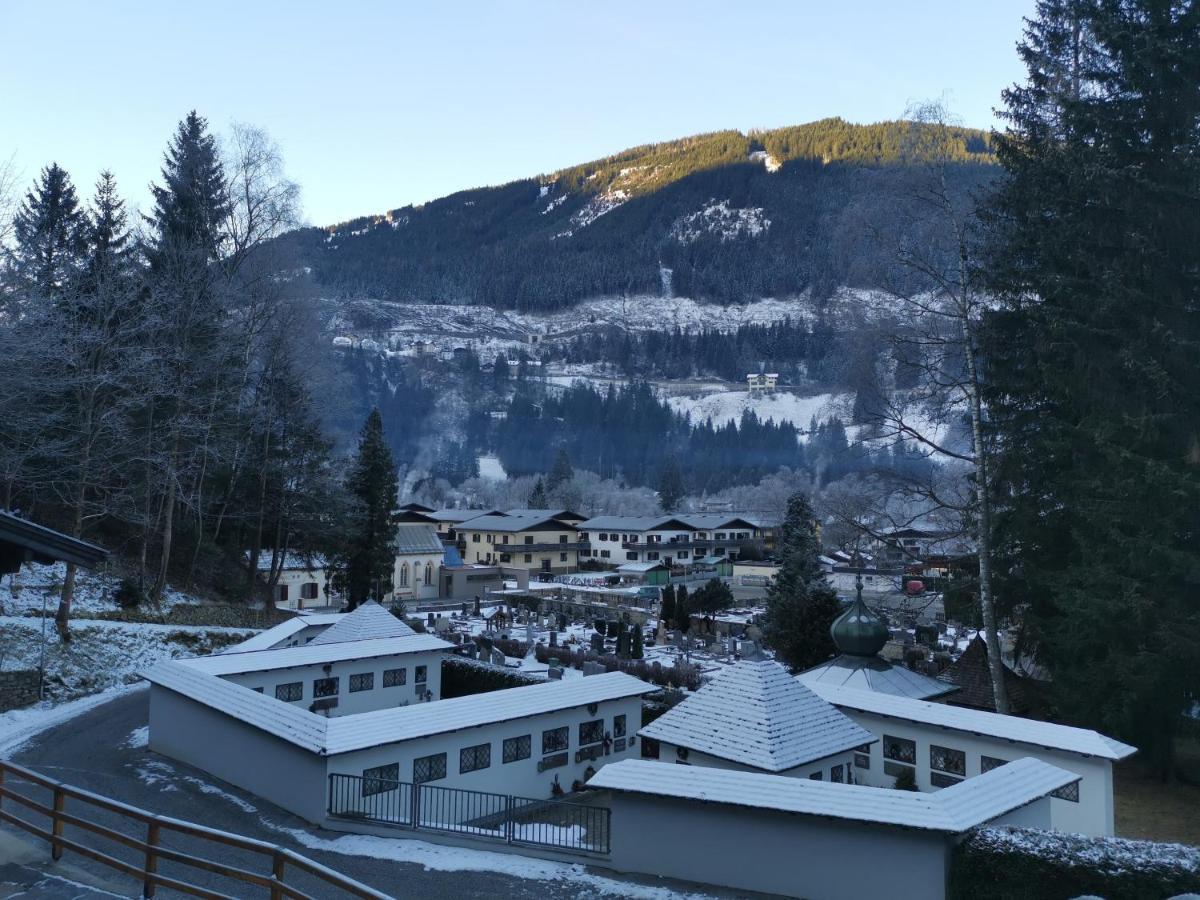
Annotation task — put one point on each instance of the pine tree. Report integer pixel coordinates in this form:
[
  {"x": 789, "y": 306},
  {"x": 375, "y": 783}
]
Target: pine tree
[
  {"x": 683, "y": 609},
  {"x": 50, "y": 232},
  {"x": 667, "y": 614},
  {"x": 800, "y": 603},
  {"x": 192, "y": 204},
  {"x": 109, "y": 252},
  {"x": 671, "y": 489},
  {"x": 1095, "y": 255},
  {"x": 637, "y": 649},
  {"x": 537, "y": 497},
  {"x": 371, "y": 554},
  {"x": 560, "y": 474}
]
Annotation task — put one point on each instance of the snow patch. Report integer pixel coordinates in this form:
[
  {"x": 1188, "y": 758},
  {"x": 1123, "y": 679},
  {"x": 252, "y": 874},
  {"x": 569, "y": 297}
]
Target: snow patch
[
  {"x": 138, "y": 738},
  {"x": 721, "y": 220},
  {"x": 782, "y": 406},
  {"x": 769, "y": 162}
]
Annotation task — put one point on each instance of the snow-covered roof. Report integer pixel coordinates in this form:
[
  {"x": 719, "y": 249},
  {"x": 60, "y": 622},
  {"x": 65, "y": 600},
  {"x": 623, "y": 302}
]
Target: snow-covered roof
[
  {"x": 461, "y": 515},
  {"x": 870, "y": 673},
  {"x": 370, "y": 621},
  {"x": 505, "y": 522},
  {"x": 756, "y": 714},
  {"x": 1050, "y": 735},
  {"x": 313, "y": 654},
  {"x": 343, "y": 734},
  {"x": 955, "y": 809},
  {"x": 387, "y": 726},
  {"x": 292, "y": 562},
  {"x": 418, "y": 539},
  {"x": 679, "y": 522},
  {"x": 277, "y": 634},
  {"x": 649, "y": 566}
]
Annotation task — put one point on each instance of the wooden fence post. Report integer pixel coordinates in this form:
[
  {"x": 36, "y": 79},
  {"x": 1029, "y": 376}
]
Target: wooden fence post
[
  {"x": 56, "y": 828},
  {"x": 277, "y": 862},
  {"x": 149, "y": 885}
]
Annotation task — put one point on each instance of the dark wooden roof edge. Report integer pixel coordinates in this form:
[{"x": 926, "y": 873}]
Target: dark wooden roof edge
[{"x": 44, "y": 543}]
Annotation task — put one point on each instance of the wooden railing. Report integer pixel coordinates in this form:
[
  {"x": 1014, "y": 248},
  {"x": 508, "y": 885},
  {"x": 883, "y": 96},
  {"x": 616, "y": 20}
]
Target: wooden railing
[{"x": 150, "y": 849}]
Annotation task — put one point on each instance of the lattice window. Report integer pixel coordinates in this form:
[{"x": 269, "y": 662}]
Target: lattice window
[
  {"x": 900, "y": 749},
  {"x": 325, "y": 687},
  {"x": 948, "y": 760},
  {"x": 472, "y": 759},
  {"x": 429, "y": 768},
  {"x": 420, "y": 675},
  {"x": 363, "y": 681},
  {"x": 987, "y": 763},
  {"x": 395, "y": 677},
  {"x": 555, "y": 739},
  {"x": 862, "y": 756},
  {"x": 591, "y": 732},
  {"x": 518, "y": 748},
  {"x": 619, "y": 726},
  {"x": 1068, "y": 792},
  {"x": 380, "y": 779},
  {"x": 292, "y": 691}
]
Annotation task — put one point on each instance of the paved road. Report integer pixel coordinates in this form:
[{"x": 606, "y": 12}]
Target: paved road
[{"x": 91, "y": 751}]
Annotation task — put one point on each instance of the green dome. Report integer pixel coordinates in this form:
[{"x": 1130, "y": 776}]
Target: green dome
[{"x": 858, "y": 631}]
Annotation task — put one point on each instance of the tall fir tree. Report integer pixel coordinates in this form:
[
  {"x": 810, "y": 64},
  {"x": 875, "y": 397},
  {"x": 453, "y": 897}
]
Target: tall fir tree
[
  {"x": 560, "y": 474},
  {"x": 801, "y": 605},
  {"x": 667, "y": 612},
  {"x": 683, "y": 608},
  {"x": 537, "y": 497},
  {"x": 192, "y": 204},
  {"x": 1092, "y": 358},
  {"x": 671, "y": 489},
  {"x": 371, "y": 552},
  {"x": 50, "y": 234}
]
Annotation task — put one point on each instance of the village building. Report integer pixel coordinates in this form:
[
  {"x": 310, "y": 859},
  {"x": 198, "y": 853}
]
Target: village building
[
  {"x": 671, "y": 539},
  {"x": 302, "y": 580},
  {"x": 419, "y": 557},
  {"x": 754, "y": 716},
  {"x": 537, "y": 542},
  {"x": 761, "y": 383}
]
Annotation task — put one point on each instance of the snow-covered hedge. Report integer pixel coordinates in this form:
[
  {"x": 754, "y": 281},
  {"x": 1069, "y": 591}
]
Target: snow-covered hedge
[{"x": 995, "y": 863}]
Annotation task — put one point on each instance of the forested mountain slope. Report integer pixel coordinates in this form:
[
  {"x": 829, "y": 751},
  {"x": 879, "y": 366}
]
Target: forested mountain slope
[{"x": 723, "y": 217}]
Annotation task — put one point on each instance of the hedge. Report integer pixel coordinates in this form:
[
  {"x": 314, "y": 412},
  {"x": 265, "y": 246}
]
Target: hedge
[{"x": 1006, "y": 863}]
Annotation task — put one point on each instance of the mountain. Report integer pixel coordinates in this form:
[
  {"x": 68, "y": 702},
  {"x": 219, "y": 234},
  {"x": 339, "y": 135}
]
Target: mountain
[{"x": 722, "y": 218}]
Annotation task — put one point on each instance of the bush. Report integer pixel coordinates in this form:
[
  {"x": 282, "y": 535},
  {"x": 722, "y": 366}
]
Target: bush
[
  {"x": 1001, "y": 863},
  {"x": 129, "y": 595}
]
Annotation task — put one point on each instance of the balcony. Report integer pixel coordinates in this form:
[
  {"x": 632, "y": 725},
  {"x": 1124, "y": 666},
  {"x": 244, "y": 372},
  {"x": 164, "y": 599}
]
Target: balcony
[
  {"x": 541, "y": 548},
  {"x": 690, "y": 544}
]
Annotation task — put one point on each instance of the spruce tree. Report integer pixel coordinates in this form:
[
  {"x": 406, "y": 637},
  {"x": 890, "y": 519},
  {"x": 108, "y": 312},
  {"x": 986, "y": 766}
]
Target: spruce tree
[
  {"x": 667, "y": 614},
  {"x": 50, "y": 232},
  {"x": 537, "y": 497},
  {"x": 1095, "y": 257},
  {"x": 801, "y": 605},
  {"x": 560, "y": 474},
  {"x": 637, "y": 648},
  {"x": 192, "y": 204},
  {"x": 371, "y": 552},
  {"x": 683, "y": 609},
  {"x": 671, "y": 489}
]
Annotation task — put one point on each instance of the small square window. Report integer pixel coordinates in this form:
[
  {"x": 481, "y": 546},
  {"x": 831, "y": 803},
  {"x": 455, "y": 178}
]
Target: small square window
[
  {"x": 517, "y": 748},
  {"x": 394, "y": 677},
  {"x": 900, "y": 749},
  {"x": 291, "y": 691},
  {"x": 325, "y": 687},
  {"x": 380, "y": 779},
  {"x": 472, "y": 759},
  {"x": 429, "y": 768},
  {"x": 308, "y": 591},
  {"x": 364, "y": 681},
  {"x": 948, "y": 760},
  {"x": 528, "y": 557},
  {"x": 555, "y": 739},
  {"x": 837, "y": 774},
  {"x": 650, "y": 748}
]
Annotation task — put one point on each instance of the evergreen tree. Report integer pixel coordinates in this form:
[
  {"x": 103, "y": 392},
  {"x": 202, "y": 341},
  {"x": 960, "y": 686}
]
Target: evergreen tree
[
  {"x": 800, "y": 603},
  {"x": 537, "y": 497},
  {"x": 561, "y": 473},
  {"x": 109, "y": 251},
  {"x": 637, "y": 645},
  {"x": 1095, "y": 253},
  {"x": 50, "y": 231},
  {"x": 667, "y": 614},
  {"x": 683, "y": 609},
  {"x": 713, "y": 597},
  {"x": 671, "y": 490},
  {"x": 192, "y": 204},
  {"x": 371, "y": 552}
]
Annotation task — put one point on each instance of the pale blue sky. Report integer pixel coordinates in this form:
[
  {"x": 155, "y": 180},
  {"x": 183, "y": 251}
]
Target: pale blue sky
[{"x": 379, "y": 104}]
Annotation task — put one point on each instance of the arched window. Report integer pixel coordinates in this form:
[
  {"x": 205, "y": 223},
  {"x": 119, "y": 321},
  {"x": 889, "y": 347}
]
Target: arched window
[
  {"x": 429, "y": 573},
  {"x": 404, "y": 575}
]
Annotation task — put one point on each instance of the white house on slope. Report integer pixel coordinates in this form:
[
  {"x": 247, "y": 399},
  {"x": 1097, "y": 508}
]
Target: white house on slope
[{"x": 756, "y": 717}]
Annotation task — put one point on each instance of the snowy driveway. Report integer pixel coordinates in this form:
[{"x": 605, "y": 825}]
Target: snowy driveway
[{"x": 103, "y": 750}]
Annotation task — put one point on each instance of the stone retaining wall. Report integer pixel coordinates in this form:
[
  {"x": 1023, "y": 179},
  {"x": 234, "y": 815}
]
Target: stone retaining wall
[{"x": 18, "y": 689}]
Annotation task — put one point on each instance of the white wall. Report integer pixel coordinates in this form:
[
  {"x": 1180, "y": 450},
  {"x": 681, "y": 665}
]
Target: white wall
[
  {"x": 378, "y": 697},
  {"x": 668, "y": 753},
  {"x": 521, "y": 778},
  {"x": 294, "y": 579},
  {"x": 1092, "y": 815},
  {"x": 417, "y": 589}
]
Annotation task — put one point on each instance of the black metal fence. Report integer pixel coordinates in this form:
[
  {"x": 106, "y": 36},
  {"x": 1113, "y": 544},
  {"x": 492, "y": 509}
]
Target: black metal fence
[{"x": 515, "y": 820}]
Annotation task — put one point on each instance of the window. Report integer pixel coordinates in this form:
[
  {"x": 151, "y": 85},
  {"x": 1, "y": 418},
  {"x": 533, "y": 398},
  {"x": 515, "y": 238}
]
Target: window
[
  {"x": 591, "y": 732},
  {"x": 420, "y": 675},
  {"x": 987, "y": 763},
  {"x": 429, "y": 768},
  {"x": 562, "y": 557},
  {"x": 429, "y": 573},
  {"x": 505, "y": 557},
  {"x": 948, "y": 760},
  {"x": 364, "y": 681},
  {"x": 605, "y": 554},
  {"x": 504, "y": 539},
  {"x": 1068, "y": 792},
  {"x": 472, "y": 759},
  {"x": 862, "y": 756},
  {"x": 474, "y": 538},
  {"x": 633, "y": 539},
  {"x": 649, "y": 748},
  {"x": 619, "y": 726},
  {"x": 900, "y": 749},
  {"x": 603, "y": 536},
  {"x": 308, "y": 591},
  {"x": 837, "y": 774},
  {"x": 816, "y": 776},
  {"x": 380, "y": 779},
  {"x": 529, "y": 538},
  {"x": 562, "y": 539},
  {"x": 652, "y": 554},
  {"x": 554, "y": 739},
  {"x": 394, "y": 677},
  {"x": 291, "y": 691},
  {"x": 404, "y": 575},
  {"x": 683, "y": 554},
  {"x": 325, "y": 687},
  {"x": 632, "y": 554},
  {"x": 719, "y": 536},
  {"x": 517, "y": 748}
]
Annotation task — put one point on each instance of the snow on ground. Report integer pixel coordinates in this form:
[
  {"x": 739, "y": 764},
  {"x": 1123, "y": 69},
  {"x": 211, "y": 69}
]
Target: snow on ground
[
  {"x": 491, "y": 469},
  {"x": 782, "y": 406},
  {"x": 138, "y": 738},
  {"x": 19, "y": 726},
  {"x": 94, "y": 591},
  {"x": 721, "y": 220}
]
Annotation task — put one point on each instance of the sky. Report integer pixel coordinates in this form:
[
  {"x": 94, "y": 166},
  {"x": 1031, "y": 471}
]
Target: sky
[{"x": 380, "y": 104}]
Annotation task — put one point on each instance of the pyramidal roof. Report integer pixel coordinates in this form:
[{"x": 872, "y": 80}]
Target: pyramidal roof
[
  {"x": 369, "y": 622},
  {"x": 756, "y": 714}
]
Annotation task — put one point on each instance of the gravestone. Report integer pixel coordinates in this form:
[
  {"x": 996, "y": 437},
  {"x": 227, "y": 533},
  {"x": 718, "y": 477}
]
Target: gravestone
[
  {"x": 554, "y": 673},
  {"x": 553, "y": 638}
]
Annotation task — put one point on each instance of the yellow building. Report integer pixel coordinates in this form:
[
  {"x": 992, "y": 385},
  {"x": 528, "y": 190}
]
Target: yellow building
[{"x": 538, "y": 542}]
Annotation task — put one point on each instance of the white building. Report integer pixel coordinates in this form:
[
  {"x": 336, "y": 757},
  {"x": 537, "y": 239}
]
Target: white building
[
  {"x": 419, "y": 554},
  {"x": 303, "y": 582},
  {"x": 944, "y": 745},
  {"x": 670, "y": 539},
  {"x": 761, "y": 383},
  {"x": 754, "y": 716}
]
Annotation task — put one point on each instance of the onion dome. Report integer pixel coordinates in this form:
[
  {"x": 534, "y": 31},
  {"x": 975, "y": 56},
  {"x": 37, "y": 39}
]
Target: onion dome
[{"x": 858, "y": 631}]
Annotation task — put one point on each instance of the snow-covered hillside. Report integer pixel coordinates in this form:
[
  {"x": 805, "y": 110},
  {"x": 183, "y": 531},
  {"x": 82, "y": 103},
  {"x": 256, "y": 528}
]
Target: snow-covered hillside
[{"x": 782, "y": 406}]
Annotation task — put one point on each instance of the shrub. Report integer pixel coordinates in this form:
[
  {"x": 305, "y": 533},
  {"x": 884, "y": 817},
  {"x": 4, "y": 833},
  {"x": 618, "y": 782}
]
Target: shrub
[
  {"x": 129, "y": 594},
  {"x": 996, "y": 863}
]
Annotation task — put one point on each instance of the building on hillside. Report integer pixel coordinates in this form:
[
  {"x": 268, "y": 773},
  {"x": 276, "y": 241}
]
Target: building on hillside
[
  {"x": 419, "y": 556},
  {"x": 671, "y": 539},
  {"x": 302, "y": 581},
  {"x": 943, "y": 745},
  {"x": 756, "y": 717},
  {"x": 973, "y": 679},
  {"x": 761, "y": 383},
  {"x": 537, "y": 543},
  {"x": 859, "y": 635}
]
